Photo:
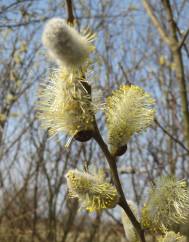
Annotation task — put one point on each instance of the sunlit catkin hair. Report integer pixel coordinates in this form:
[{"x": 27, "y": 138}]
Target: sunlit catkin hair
[
  {"x": 130, "y": 232},
  {"x": 168, "y": 203},
  {"x": 128, "y": 111},
  {"x": 64, "y": 105},
  {"x": 172, "y": 237},
  {"x": 65, "y": 44},
  {"x": 93, "y": 191}
]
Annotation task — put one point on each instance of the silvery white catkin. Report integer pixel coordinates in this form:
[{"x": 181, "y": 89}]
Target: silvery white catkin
[{"x": 65, "y": 44}]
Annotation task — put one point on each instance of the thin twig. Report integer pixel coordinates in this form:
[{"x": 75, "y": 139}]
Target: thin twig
[
  {"x": 171, "y": 136},
  {"x": 183, "y": 39},
  {"x": 184, "y": 44}
]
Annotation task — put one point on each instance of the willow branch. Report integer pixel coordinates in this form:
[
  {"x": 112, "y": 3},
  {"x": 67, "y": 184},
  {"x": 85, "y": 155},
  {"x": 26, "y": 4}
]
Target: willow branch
[
  {"x": 156, "y": 22},
  {"x": 113, "y": 167}
]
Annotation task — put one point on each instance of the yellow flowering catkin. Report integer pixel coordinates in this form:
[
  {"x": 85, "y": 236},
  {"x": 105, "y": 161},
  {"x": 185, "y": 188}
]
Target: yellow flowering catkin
[
  {"x": 65, "y": 44},
  {"x": 168, "y": 204},
  {"x": 93, "y": 191},
  {"x": 172, "y": 237},
  {"x": 128, "y": 111},
  {"x": 64, "y": 105}
]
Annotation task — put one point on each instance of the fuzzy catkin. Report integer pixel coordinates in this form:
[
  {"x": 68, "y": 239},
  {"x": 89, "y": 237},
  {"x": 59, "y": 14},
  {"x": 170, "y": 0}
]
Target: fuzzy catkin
[
  {"x": 64, "y": 105},
  {"x": 93, "y": 192},
  {"x": 172, "y": 237},
  {"x": 168, "y": 204},
  {"x": 128, "y": 111},
  {"x": 65, "y": 44}
]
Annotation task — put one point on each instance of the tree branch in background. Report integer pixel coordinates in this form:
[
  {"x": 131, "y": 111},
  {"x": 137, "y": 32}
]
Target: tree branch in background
[
  {"x": 179, "y": 68},
  {"x": 171, "y": 136},
  {"x": 156, "y": 22},
  {"x": 174, "y": 45},
  {"x": 182, "y": 41}
]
